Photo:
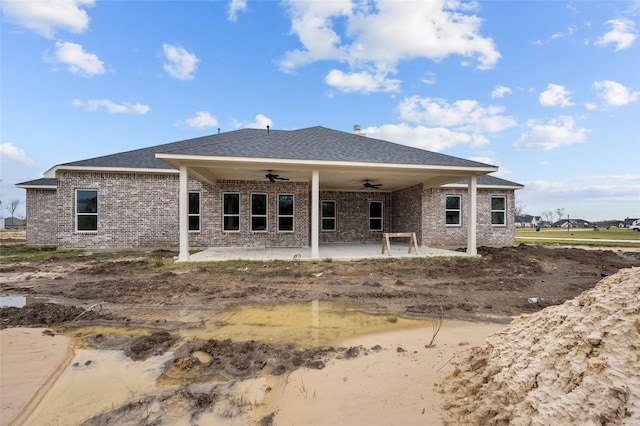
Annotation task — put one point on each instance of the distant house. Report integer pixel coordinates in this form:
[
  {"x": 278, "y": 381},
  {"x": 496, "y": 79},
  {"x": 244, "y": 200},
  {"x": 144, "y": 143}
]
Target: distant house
[
  {"x": 14, "y": 223},
  {"x": 528, "y": 221},
  {"x": 628, "y": 222},
  {"x": 270, "y": 188},
  {"x": 572, "y": 223}
]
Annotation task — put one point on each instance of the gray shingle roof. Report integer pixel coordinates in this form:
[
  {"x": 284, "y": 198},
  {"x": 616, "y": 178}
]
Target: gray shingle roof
[
  {"x": 490, "y": 181},
  {"x": 39, "y": 182},
  {"x": 313, "y": 143}
]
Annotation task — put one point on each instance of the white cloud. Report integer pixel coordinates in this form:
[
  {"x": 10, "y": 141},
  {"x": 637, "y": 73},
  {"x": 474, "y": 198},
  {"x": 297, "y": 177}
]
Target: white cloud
[
  {"x": 555, "y": 95},
  {"x": 462, "y": 115},
  {"x": 623, "y": 34},
  {"x": 361, "y": 82},
  {"x": 429, "y": 78},
  {"x": 45, "y": 17},
  {"x": 236, "y": 6},
  {"x": 499, "y": 91},
  {"x": 614, "y": 93},
  {"x": 379, "y": 34},
  {"x": 261, "y": 122},
  {"x": 429, "y": 138},
  {"x": 112, "y": 107},
  {"x": 201, "y": 120},
  {"x": 77, "y": 60},
  {"x": 11, "y": 153},
  {"x": 560, "y": 34},
  {"x": 179, "y": 63},
  {"x": 557, "y": 132}
]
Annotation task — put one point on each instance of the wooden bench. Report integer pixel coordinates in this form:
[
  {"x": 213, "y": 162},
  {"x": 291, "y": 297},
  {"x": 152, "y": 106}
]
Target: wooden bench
[{"x": 386, "y": 244}]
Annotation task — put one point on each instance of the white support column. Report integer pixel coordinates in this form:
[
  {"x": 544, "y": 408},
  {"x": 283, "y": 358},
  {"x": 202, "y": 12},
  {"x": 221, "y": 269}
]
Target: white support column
[
  {"x": 472, "y": 215},
  {"x": 315, "y": 214},
  {"x": 183, "y": 216}
]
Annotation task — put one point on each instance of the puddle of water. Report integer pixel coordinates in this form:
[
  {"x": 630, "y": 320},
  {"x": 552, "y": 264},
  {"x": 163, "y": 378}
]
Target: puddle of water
[
  {"x": 20, "y": 301},
  {"x": 305, "y": 324},
  {"x": 94, "y": 382},
  {"x": 100, "y": 380},
  {"x": 12, "y": 301}
]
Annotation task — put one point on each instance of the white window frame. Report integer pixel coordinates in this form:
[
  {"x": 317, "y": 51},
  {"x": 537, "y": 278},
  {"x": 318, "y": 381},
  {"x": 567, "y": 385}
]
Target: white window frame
[
  {"x": 225, "y": 215},
  {"x": 292, "y": 215},
  {"x": 78, "y": 214},
  {"x": 323, "y": 217},
  {"x": 198, "y": 215},
  {"x": 381, "y": 218},
  {"x": 503, "y": 211},
  {"x": 458, "y": 210},
  {"x": 265, "y": 215}
]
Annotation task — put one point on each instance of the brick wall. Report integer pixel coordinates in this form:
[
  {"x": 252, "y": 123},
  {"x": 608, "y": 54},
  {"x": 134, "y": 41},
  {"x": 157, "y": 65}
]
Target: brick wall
[
  {"x": 352, "y": 216},
  {"x": 141, "y": 210},
  {"x": 212, "y": 215},
  {"x": 41, "y": 217},
  {"x": 437, "y": 234},
  {"x": 407, "y": 211},
  {"x": 134, "y": 210}
]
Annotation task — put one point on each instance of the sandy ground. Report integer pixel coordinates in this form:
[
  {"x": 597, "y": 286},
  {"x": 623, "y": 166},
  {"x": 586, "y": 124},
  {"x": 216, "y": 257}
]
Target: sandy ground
[
  {"x": 30, "y": 363},
  {"x": 395, "y": 386}
]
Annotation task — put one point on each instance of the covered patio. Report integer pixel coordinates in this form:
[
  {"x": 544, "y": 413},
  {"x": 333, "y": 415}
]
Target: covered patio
[{"x": 327, "y": 251}]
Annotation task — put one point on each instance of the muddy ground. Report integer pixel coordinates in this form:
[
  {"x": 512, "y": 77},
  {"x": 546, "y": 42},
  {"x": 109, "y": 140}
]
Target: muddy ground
[{"x": 494, "y": 288}]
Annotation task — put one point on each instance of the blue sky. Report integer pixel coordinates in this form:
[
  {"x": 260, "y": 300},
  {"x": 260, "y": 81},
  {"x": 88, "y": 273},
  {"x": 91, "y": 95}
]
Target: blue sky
[{"x": 549, "y": 91}]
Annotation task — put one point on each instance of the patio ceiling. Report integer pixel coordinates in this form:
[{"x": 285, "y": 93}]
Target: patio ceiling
[{"x": 335, "y": 176}]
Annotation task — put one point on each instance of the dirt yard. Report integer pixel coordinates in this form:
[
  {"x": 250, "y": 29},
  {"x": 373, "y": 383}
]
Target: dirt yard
[
  {"x": 502, "y": 284},
  {"x": 493, "y": 288}
]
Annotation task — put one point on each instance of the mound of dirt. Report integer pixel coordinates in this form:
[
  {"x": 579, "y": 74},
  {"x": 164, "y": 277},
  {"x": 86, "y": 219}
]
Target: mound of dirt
[
  {"x": 46, "y": 315},
  {"x": 576, "y": 363},
  {"x": 241, "y": 360}
]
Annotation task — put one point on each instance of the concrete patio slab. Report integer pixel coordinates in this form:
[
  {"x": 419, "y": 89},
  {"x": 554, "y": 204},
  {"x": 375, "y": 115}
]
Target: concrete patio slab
[{"x": 333, "y": 251}]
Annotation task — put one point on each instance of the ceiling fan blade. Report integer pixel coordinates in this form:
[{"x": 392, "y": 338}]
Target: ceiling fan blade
[
  {"x": 368, "y": 184},
  {"x": 272, "y": 177}
]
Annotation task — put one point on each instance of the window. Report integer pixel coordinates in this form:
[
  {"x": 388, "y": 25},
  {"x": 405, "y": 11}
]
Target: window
[
  {"x": 452, "y": 210},
  {"x": 194, "y": 211},
  {"x": 498, "y": 210},
  {"x": 86, "y": 210},
  {"x": 285, "y": 213},
  {"x": 375, "y": 216},
  {"x": 328, "y": 213},
  {"x": 259, "y": 212},
  {"x": 231, "y": 212}
]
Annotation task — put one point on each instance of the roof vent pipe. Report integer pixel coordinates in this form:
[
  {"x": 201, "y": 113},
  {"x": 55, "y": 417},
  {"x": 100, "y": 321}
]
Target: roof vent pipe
[
  {"x": 268, "y": 129},
  {"x": 356, "y": 129},
  {"x": 218, "y": 130}
]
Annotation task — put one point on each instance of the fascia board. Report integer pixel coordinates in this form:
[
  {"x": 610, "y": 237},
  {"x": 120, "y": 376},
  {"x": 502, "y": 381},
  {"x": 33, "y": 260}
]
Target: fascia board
[
  {"x": 461, "y": 186},
  {"x": 47, "y": 187},
  {"x": 51, "y": 173}
]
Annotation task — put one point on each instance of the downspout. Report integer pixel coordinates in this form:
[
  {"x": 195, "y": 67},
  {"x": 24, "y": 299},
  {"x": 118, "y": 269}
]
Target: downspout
[{"x": 472, "y": 215}]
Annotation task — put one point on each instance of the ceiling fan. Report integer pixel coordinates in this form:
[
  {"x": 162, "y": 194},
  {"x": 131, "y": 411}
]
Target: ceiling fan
[
  {"x": 368, "y": 184},
  {"x": 273, "y": 178}
]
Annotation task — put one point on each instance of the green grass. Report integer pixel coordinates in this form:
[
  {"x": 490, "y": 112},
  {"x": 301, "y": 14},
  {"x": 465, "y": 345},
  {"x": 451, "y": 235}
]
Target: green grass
[
  {"x": 559, "y": 236},
  {"x": 25, "y": 253}
]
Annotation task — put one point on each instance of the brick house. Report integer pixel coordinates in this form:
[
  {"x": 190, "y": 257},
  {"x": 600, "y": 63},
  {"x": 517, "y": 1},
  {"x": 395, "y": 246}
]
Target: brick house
[{"x": 270, "y": 188}]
